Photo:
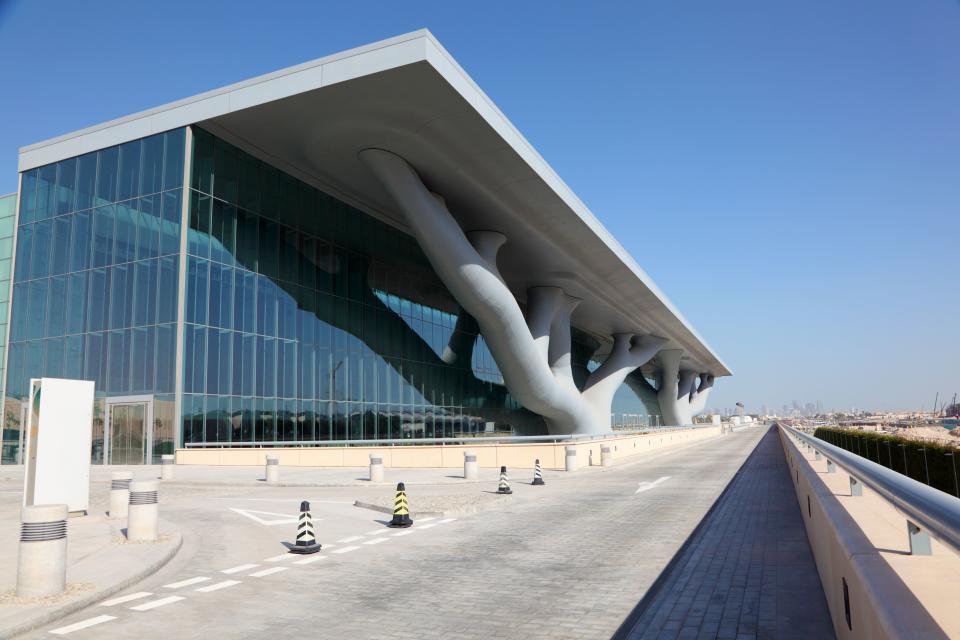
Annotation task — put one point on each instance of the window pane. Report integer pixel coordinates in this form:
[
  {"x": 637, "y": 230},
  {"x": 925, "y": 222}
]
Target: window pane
[
  {"x": 56, "y": 307},
  {"x": 46, "y": 191},
  {"x": 107, "y": 176},
  {"x": 103, "y": 232},
  {"x": 42, "y": 236},
  {"x": 66, "y": 184},
  {"x": 151, "y": 175},
  {"x": 28, "y": 196},
  {"x": 24, "y": 249},
  {"x": 61, "y": 244},
  {"x": 37, "y": 308},
  {"x": 225, "y": 170},
  {"x": 76, "y": 302},
  {"x": 170, "y": 229},
  {"x": 173, "y": 158},
  {"x": 86, "y": 180},
  {"x": 125, "y": 229},
  {"x": 129, "y": 178},
  {"x": 80, "y": 241}
]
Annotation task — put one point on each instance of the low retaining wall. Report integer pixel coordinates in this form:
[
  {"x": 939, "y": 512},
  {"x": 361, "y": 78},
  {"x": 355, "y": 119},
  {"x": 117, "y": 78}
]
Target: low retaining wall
[
  {"x": 489, "y": 454},
  {"x": 874, "y": 588}
]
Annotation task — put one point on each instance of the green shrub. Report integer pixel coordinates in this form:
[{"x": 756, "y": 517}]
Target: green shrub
[{"x": 912, "y": 458}]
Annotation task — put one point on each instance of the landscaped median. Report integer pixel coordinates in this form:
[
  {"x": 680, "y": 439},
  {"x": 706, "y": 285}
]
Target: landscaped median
[
  {"x": 874, "y": 587},
  {"x": 490, "y": 454}
]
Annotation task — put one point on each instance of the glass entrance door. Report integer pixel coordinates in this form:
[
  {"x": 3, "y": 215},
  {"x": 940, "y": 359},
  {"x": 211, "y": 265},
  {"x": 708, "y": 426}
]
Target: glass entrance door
[{"x": 128, "y": 435}]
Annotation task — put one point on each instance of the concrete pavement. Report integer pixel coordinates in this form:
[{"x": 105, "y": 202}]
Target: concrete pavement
[{"x": 570, "y": 559}]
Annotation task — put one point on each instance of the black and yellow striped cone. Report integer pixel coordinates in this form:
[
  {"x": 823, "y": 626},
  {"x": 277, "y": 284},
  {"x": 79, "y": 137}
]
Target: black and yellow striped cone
[
  {"x": 537, "y": 474},
  {"x": 306, "y": 539},
  {"x": 401, "y": 510},
  {"x": 504, "y": 483}
]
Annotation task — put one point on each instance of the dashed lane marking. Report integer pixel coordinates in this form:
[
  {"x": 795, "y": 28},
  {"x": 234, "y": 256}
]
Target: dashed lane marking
[
  {"x": 426, "y": 519},
  {"x": 186, "y": 583},
  {"x": 350, "y": 539},
  {"x": 62, "y": 631},
  {"x": 279, "y": 558},
  {"x": 218, "y": 586},
  {"x": 267, "y": 572},
  {"x": 403, "y": 533},
  {"x": 646, "y": 486},
  {"x": 346, "y": 550},
  {"x": 126, "y": 598},
  {"x": 239, "y": 568},
  {"x": 446, "y": 520},
  {"x": 377, "y": 532},
  {"x": 427, "y": 526},
  {"x": 310, "y": 560},
  {"x": 162, "y": 602},
  {"x": 375, "y": 541}
]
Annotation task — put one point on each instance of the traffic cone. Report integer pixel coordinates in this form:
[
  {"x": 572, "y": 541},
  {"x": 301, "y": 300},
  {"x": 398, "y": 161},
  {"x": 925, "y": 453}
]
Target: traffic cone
[
  {"x": 306, "y": 540},
  {"x": 537, "y": 475},
  {"x": 504, "y": 487},
  {"x": 401, "y": 510}
]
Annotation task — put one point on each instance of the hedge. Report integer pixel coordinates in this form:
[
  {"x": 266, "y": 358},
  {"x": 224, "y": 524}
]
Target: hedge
[{"x": 909, "y": 457}]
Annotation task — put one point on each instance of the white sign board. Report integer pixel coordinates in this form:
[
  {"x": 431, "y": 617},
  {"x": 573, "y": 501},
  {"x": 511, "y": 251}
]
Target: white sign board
[{"x": 59, "y": 426}]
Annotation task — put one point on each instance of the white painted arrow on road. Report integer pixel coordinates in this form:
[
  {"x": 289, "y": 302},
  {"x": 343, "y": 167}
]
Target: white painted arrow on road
[
  {"x": 646, "y": 486},
  {"x": 279, "y": 518}
]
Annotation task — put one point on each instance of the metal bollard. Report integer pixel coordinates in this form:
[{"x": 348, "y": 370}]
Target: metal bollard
[
  {"x": 570, "y": 461},
  {"x": 143, "y": 517},
  {"x": 166, "y": 467},
  {"x": 119, "y": 493},
  {"x": 471, "y": 468},
  {"x": 376, "y": 468},
  {"x": 42, "y": 563},
  {"x": 272, "y": 472},
  {"x": 606, "y": 457}
]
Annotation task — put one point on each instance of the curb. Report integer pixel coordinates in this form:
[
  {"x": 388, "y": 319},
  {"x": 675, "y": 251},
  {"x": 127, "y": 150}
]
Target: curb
[{"x": 89, "y": 599}]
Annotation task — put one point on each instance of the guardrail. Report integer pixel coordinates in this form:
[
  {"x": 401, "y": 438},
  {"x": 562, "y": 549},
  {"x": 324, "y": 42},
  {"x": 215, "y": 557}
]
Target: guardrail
[
  {"x": 928, "y": 511},
  {"x": 428, "y": 441}
]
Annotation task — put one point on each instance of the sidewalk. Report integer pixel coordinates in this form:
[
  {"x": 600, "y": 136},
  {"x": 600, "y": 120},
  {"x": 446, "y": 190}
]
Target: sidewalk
[{"x": 99, "y": 563}]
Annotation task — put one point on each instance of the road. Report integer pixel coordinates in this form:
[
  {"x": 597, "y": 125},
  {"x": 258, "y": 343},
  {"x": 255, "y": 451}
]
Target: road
[{"x": 567, "y": 560}]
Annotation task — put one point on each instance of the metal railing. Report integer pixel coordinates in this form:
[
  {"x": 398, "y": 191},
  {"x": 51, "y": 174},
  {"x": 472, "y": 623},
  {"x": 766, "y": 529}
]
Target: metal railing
[
  {"x": 444, "y": 441},
  {"x": 927, "y": 510}
]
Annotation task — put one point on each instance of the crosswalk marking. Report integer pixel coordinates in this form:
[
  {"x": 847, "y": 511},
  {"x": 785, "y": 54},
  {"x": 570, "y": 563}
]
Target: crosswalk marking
[
  {"x": 153, "y": 604},
  {"x": 377, "y": 532},
  {"x": 238, "y": 569},
  {"x": 62, "y": 631},
  {"x": 350, "y": 539},
  {"x": 268, "y": 572},
  {"x": 279, "y": 558},
  {"x": 186, "y": 583},
  {"x": 427, "y": 526},
  {"x": 218, "y": 586},
  {"x": 403, "y": 533},
  {"x": 311, "y": 559},
  {"x": 446, "y": 520},
  {"x": 346, "y": 550},
  {"x": 126, "y": 598}
]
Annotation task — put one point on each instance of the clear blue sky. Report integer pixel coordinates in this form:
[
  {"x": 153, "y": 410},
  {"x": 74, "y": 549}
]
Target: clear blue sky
[{"x": 788, "y": 173}]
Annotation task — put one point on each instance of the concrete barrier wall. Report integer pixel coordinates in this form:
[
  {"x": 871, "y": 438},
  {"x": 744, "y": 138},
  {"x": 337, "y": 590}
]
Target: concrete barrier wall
[
  {"x": 861, "y": 541},
  {"x": 490, "y": 455}
]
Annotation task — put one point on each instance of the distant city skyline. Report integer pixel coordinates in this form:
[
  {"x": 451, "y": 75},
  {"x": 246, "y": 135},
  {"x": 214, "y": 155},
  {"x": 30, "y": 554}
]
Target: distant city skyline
[{"x": 787, "y": 172}]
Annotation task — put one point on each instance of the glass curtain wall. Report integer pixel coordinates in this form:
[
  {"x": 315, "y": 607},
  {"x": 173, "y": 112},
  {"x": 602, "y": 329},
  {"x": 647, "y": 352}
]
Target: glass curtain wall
[
  {"x": 8, "y": 215},
  {"x": 95, "y": 279},
  {"x": 308, "y": 320}
]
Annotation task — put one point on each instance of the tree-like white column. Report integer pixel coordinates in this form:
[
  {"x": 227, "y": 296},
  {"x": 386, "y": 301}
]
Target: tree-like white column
[
  {"x": 532, "y": 351},
  {"x": 680, "y": 395}
]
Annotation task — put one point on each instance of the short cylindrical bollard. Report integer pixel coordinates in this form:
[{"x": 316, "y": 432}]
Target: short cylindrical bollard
[
  {"x": 166, "y": 467},
  {"x": 42, "y": 565},
  {"x": 606, "y": 456},
  {"x": 570, "y": 459},
  {"x": 119, "y": 493},
  {"x": 143, "y": 517},
  {"x": 376, "y": 468},
  {"x": 272, "y": 472},
  {"x": 471, "y": 469}
]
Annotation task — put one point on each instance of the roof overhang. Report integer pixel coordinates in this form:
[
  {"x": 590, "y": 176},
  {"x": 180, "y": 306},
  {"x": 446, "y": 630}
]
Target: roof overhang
[{"x": 409, "y": 96}]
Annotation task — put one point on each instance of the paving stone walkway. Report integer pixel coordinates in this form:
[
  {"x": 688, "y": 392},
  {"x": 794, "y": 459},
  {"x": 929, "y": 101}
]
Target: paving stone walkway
[{"x": 748, "y": 572}]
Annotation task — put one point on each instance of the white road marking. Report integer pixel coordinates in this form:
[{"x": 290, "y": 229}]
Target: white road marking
[
  {"x": 286, "y": 500},
  {"x": 427, "y": 526},
  {"x": 350, "y": 539},
  {"x": 126, "y": 598},
  {"x": 218, "y": 586},
  {"x": 375, "y": 541},
  {"x": 267, "y": 572},
  {"x": 310, "y": 560},
  {"x": 377, "y": 532},
  {"x": 646, "y": 486},
  {"x": 403, "y": 533},
  {"x": 346, "y": 550},
  {"x": 279, "y": 558},
  {"x": 62, "y": 631},
  {"x": 446, "y": 520},
  {"x": 162, "y": 602},
  {"x": 239, "y": 568},
  {"x": 278, "y": 518},
  {"x": 186, "y": 583},
  {"x": 426, "y": 519}
]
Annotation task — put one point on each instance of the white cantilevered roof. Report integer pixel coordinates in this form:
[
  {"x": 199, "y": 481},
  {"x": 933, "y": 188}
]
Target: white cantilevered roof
[{"x": 408, "y": 95}]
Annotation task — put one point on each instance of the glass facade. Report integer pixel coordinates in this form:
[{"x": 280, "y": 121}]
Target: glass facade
[
  {"x": 8, "y": 215},
  {"x": 95, "y": 281},
  {"x": 304, "y": 319}
]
